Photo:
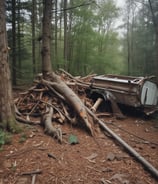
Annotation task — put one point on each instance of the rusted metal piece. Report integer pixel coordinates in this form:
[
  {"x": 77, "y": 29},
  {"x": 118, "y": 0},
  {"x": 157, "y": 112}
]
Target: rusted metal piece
[{"x": 131, "y": 91}]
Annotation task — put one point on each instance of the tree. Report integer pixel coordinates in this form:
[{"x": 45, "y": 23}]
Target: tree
[
  {"x": 154, "y": 11},
  {"x": 14, "y": 58},
  {"x": 140, "y": 39},
  {"x": 6, "y": 100},
  {"x": 46, "y": 35},
  {"x": 33, "y": 35},
  {"x": 58, "y": 85}
]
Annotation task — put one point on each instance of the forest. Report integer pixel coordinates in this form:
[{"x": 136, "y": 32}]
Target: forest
[
  {"x": 86, "y": 37},
  {"x": 58, "y": 123}
]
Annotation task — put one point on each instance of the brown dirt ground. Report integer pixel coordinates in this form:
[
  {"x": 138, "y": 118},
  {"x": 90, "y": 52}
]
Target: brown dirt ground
[
  {"x": 90, "y": 161},
  {"x": 100, "y": 160}
]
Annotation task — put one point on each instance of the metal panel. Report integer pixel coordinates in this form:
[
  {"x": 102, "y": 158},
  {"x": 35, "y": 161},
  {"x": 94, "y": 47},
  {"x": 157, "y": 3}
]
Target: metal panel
[{"x": 132, "y": 91}]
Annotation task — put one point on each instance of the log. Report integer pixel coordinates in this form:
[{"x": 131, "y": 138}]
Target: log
[{"x": 96, "y": 105}]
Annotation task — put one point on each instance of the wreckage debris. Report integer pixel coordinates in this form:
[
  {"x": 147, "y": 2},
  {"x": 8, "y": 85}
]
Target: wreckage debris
[
  {"x": 138, "y": 92},
  {"x": 47, "y": 98}
]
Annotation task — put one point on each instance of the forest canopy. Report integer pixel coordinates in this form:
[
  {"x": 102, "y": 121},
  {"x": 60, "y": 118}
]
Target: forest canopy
[{"x": 86, "y": 37}]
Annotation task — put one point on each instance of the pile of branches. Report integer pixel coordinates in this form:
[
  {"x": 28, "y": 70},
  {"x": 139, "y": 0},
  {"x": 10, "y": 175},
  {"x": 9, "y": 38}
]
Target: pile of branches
[{"x": 56, "y": 100}]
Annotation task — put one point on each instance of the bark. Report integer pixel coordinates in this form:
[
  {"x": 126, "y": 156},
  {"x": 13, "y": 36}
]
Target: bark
[
  {"x": 14, "y": 41},
  {"x": 155, "y": 22},
  {"x": 46, "y": 37},
  {"x": 72, "y": 99},
  {"x": 49, "y": 128},
  {"x": 33, "y": 35},
  {"x": 19, "y": 38},
  {"x": 56, "y": 33},
  {"x": 65, "y": 34},
  {"x": 6, "y": 100}
]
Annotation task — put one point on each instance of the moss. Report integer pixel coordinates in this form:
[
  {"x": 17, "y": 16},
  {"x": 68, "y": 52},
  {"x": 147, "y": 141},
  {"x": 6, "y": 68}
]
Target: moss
[
  {"x": 13, "y": 126},
  {"x": 10, "y": 125},
  {"x": 5, "y": 138}
]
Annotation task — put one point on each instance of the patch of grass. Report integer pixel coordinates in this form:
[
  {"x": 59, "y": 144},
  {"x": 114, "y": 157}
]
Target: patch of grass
[{"x": 5, "y": 138}]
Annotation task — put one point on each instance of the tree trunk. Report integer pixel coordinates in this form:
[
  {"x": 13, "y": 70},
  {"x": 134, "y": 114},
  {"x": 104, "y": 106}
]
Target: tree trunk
[
  {"x": 72, "y": 99},
  {"x": 65, "y": 34},
  {"x": 155, "y": 22},
  {"x": 46, "y": 58},
  {"x": 56, "y": 34},
  {"x": 14, "y": 63},
  {"x": 6, "y": 101},
  {"x": 19, "y": 39},
  {"x": 33, "y": 36}
]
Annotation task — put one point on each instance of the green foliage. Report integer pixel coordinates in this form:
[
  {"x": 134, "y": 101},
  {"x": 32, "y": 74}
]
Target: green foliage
[
  {"x": 139, "y": 41},
  {"x": 94, "y": 45},
  {"x": 73, "y": 139},
  {"x": 5, "y": 138}
]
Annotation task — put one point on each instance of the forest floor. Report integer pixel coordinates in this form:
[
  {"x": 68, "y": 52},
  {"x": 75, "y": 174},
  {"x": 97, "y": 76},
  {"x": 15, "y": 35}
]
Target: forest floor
[{"x": 100, "y": 160}]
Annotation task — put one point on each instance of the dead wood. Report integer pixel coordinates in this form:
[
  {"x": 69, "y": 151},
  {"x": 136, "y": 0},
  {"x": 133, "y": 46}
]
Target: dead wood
[
  {"x": 141, "y": 159},
  {"x": 66, "y": 104},
  {"x": 96, "y": 105},
  {"x": 32, "y": 172},
  {"x": 71, "y": 98},
  {"x": 49, "y": 129},
  {"x": 26, "y": 121},
  {"x": 33, "y": 179}
]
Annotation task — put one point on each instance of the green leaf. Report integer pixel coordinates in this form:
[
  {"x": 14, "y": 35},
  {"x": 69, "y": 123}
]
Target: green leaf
[{"x": 73, "y": 139}]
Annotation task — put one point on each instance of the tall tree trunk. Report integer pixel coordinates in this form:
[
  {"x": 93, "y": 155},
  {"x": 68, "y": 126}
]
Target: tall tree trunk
[
  {"x": 46, "y": 37},
  {"x": 155, "y": 22},
  {"x": 65, "y": 34},
  {"x": 33, "y": 36},
  {"x": 58, "y": 84},
  {"x": 19, "y": 39},
  {"x": 69, "y": 42},
  {"x": 128, "y": 40},
  {"x": 56, "y": 34},
  {"x": 14, "y": 63},
  {"x": 6, "y": 101}
]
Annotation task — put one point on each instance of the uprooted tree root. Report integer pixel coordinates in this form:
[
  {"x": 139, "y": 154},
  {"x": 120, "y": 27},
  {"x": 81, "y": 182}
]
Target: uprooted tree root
[{"x": 55, "y": 102}]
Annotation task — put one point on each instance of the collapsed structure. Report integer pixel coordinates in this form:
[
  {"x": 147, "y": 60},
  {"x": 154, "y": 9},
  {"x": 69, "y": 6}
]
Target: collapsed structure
[{"x": 138, "y": 92}]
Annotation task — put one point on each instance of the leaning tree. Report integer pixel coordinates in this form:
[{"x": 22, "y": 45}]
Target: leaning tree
[{"x": 7, "y": 119}]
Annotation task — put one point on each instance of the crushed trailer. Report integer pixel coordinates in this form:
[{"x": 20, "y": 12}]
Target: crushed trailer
[{"x": 138, "y": 92}]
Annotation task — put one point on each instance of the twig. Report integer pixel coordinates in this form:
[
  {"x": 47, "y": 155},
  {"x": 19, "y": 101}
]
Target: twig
[
  {"x": 34, "y": 108},
  {"x": 33, "y": 179},
  {"x": 30, "y": 122},
  {"x": 52, "y": 156},
  {"x": 38, "y": 171}
]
